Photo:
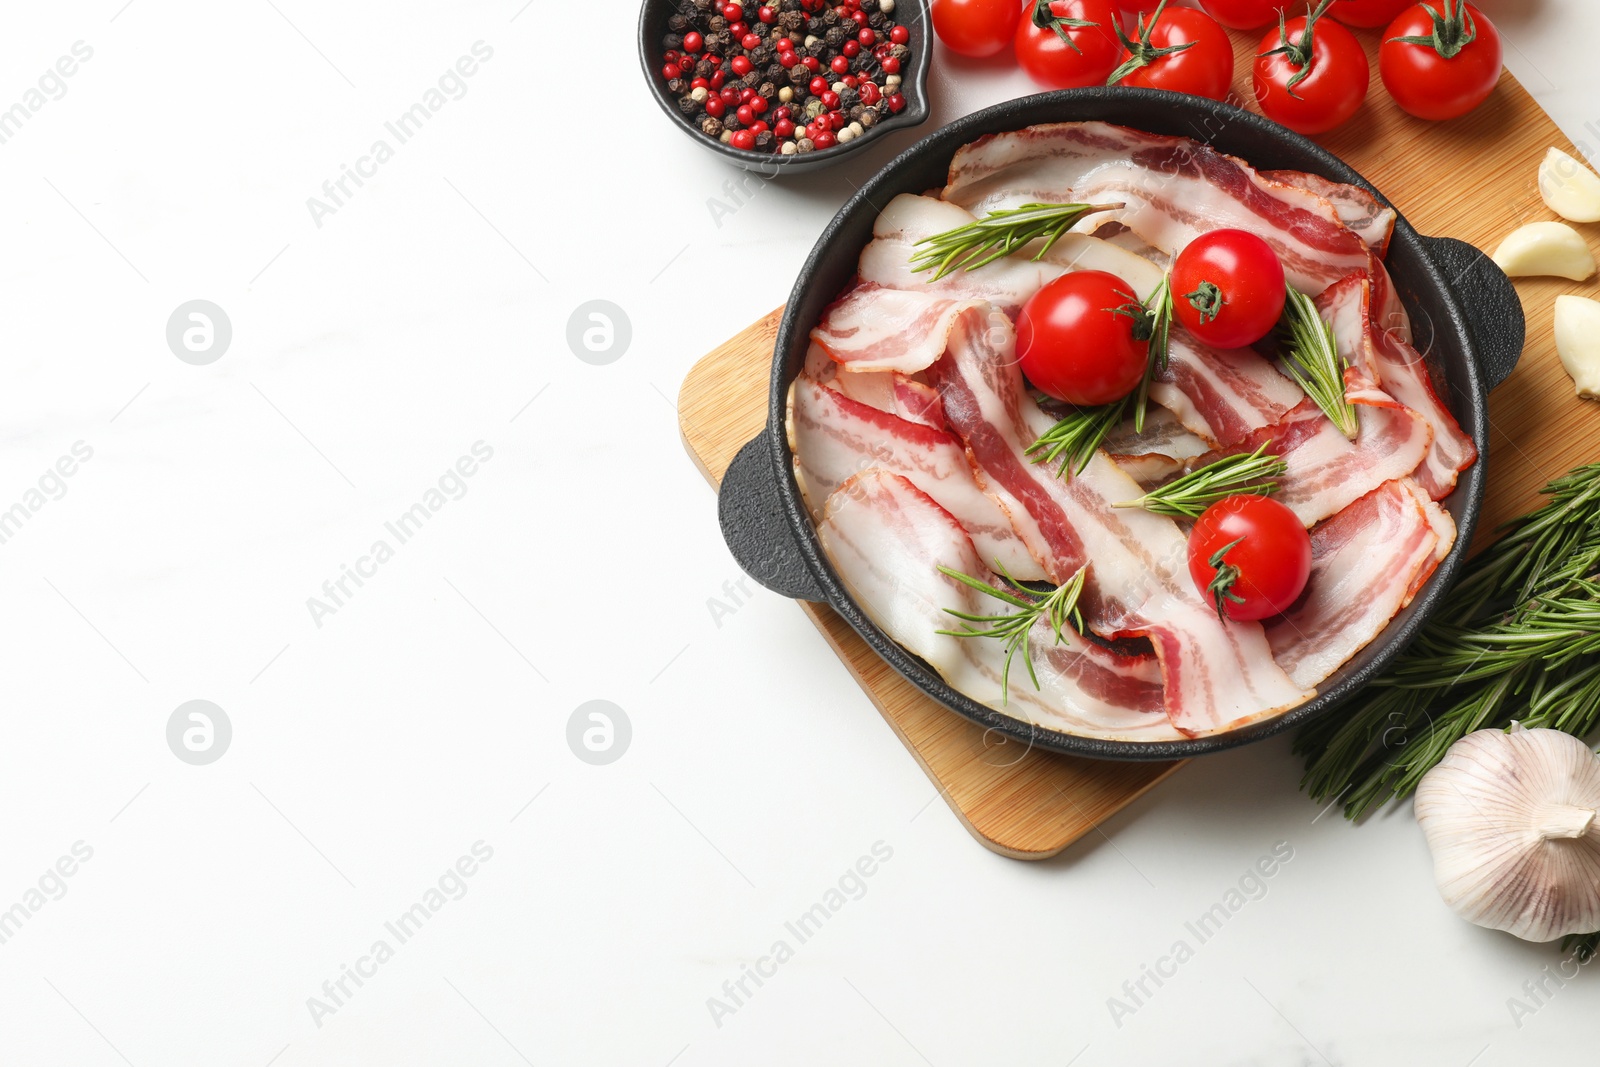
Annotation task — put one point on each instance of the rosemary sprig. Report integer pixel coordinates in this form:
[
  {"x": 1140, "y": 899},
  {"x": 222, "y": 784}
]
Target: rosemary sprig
[
  {"x": 1059, "y": 606},
  {"x": 1313, "y": 361},
  {"x": 1152, "y": 322},
  {"x": 1074, "y": 440},
  {"x": 1517, "y": 637},
  {"x": 1187, "y": 497},
  {"x": 997, "y": 235}
]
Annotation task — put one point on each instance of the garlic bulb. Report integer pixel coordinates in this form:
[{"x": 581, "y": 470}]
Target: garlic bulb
[
  {"x": 1510, "y": 819},
  {"x": 1569, "y": 188},
  {"x": 1551, "y": 249},
  {"x": 1578, "y": 342}
]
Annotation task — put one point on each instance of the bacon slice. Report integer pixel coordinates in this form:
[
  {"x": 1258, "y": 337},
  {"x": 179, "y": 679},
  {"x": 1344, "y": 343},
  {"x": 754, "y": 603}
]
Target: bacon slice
[
  {"x": 1368, "y": 562},
  {"x": 833, "y": 438},
  {"x": 870, "y": 328},
  {"x": 1358, "y": 209},
  {"x": 1173, "y": 189},
  {"x": 1327, "y": 471},
  {"x": 887, "y": 540},
  {"x": 1222, "y": 396},
  {"x": 1158, "y": 454},
  {"x": 1006, "y": 283},
  {"x": 1217, "y": 675}
]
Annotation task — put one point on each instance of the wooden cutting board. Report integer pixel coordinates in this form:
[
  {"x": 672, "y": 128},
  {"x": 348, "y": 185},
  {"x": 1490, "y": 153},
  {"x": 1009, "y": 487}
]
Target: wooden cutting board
[{"x": 1474, "y": 178}]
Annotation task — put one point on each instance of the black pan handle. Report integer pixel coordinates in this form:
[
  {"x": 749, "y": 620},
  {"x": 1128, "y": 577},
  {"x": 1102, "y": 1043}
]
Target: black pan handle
[
  {"x": 1490, "y": 302},
  {"x": 757, "y": 529}
]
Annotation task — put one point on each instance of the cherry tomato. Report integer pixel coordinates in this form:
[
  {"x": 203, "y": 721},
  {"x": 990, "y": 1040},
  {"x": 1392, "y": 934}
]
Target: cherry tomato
[
  {"x": 1367, "y": 13},
  {"x": 1244, "y": 14},
  {"x": 1452, "y": 74},
  {"x": 1051, "y": 61},
  {"x": 1311, "y": 90},
  {"x": 1228, "y": 288},
  {"x": 1250, "y": 556},
  {"x": 1203, "y": 65},
  {"x": 975, "y": 27},
  {"x": 1073, "y": 343}
]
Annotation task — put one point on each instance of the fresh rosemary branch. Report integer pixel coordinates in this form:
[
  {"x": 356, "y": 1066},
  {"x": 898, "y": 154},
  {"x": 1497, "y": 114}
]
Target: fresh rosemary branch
[
  {"x": 1518, "y": 637},
  {"x": 1013, "y": 628},
  {"x": 1152, "y": 322},
  {"x": 1188, "y": 496},
  {"x": 1313, "y": 361},
  {"x": 1074, "y": 440},
  {"x": 997, "y": 235}
]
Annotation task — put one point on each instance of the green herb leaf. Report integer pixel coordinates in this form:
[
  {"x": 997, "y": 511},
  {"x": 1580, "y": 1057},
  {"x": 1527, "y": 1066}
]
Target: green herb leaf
[
  {"x": 1187, "y": 497},
  {"x": 1059, "y": 606},
  {"x": 1313, "y": 361},
  {"x": 1073, "y": 441},
  {"x": 997, "y": 235}
]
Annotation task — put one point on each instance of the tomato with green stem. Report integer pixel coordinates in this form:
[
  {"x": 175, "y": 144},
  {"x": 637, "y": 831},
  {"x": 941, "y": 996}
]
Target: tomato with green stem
[
  {"x": 1068, "y": 44},
  {"x": 1311, "y": 74},
  {"x": 1368, "y": 14},
  {"x": 975, "y": 27},
  {"x": 1440, "y": 62},
  {"x": 1077, "y": 339},
  {"x": 1250, "y": 556},
  {"x": 1228, "y": 288},
  {"x": 1183, "y": 50}
]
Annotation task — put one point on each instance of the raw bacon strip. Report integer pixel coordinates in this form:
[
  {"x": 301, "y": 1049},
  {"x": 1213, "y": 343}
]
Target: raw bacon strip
[
  {"x": 1174, "y": 190},
  {"x": 1217, "y": 675},
  {"x": 1327, "y": 471},
  {"x": 1222, "y": 396},
  {"x": 1158, "y": 454},
  {"x": 887, "y": 540},
  {"x": 1006, "y": 283},
  {"x": 1358, "y": 209},
  {"x": 833, "y": 438},
  {"x": 1366, "y": 563},
  {"x": 888, "y": 391},
  {"x": 887, "y": 329},
  {"x": 1403, "y": 372}
]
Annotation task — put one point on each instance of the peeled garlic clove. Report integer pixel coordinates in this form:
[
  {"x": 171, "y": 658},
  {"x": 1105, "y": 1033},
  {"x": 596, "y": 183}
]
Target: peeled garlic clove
[
  {"x": 1511, "y": 821},
  {"x": 1551, "y": 249},
  {"x": 1569, "y": 187},
  {"x": 1578, "y": 343}
]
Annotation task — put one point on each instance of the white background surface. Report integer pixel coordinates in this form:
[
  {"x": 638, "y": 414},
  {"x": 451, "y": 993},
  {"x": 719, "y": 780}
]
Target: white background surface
[{"x": 368, "y": 754}]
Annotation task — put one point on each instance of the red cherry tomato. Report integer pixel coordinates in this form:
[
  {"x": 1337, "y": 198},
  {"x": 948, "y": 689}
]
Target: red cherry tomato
[
  {"x": 1367, "y": 13},
  {"x": 1051, "y": 61},
  {"x": 1244, "y": 14},
  {"x": 1073, "y": 344},
  {"x": 1453, "y": 73},
  {"x": 1228, "y": 288},
  {"x": 1202, "y": 66},
  {"x": 975, "y": 27},
  {"x": 1250, "y": 556},
  {"x": 1311, "y": 90}
]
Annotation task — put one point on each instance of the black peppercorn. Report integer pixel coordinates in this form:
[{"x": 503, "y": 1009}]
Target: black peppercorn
[
  {"x": 717, "y": 43},
  {"x": 704, "y": 5},
  {"x": 798, "y": 76},
  {"x": 750, "y": 81},
  {"x": 816, "y": 48},
  {"x": 718, "y": 23},
  {"x": 849, "y": 98},
  {"x": 900, "y": 52},
  {"x": 678, "y": 86},
  {"x": 761, "y": 57},
  {"x": 764, "y": 140},
  {"x": 774, "y": 72},
  {"x": 711, "y": 127},
  {"x": 791, "y": 21},
  {"x": 767, "y": 91},
  {"x": 834, "y": 37},
  {"x": 880, "y": 22},
  {"x": 791, "y": 5},
  {"x": 868, "y": 117},
  {"x": 688, "y": 105},
  {"x": 857, "y": 111},
  {"x": 871, "y": 7},
  {"x": 830, "y": 16},
  {"x": 678, "y": 24},
  {"x": 672, "y": 41}
]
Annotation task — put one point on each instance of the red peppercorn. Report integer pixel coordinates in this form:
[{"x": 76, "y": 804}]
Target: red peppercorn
[
  {"x": 740, "y": 65},
  {"x": 737, "y": 29},
  {"x": 784, "y": 45},
  {"x": 733, "y": 12},
  {"x": 730, "y": 97},
  {"x": 851, "y": 48},
  {"x": 830, "y": 99},
  {"x": 840, "y": 64},
  {"x": 819, "y": 85},
  {"x": 783, "y": 128},
  {"x": 813, "y": 64},
  {"x": 693, "y": 42},
  {"x": 758, "y": 127},
  {"x": 670, "y": 71},
  {"x": 717, "y": 78},
  {"x": 882, "y": 49},
  {"x": 746, "y": 114},
  {"x": 870, "y": 93},
  {"x": 745, "y": 139},
  {"x": 715, "y": 107},
  {"x": 866, "y": 37},
  {"x": 860, "y": 17},
  {"x": 897, "y": 103},
  {"x": 852, "y": 81},
  {"x": 715, "y": 61},
  {"x": 899, "y": 34},
  {"x": 767, "y": 14},
  {"x": 700, "y": 83},
  {"x": 787, "y": 59},
  {"x": 781, "y": 113},
  {"x": 823, "y": 139},
  {"x": 891, "y": 65},
  {"x": 686, "y": 64},
  {"x": 750, "y": 42}
]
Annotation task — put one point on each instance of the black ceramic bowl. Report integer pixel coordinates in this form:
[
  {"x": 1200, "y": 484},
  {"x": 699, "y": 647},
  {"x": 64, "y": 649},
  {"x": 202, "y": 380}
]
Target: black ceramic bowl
[
  {"x": 912, "y": 14},
  {"x": 1465, "y": 314}
]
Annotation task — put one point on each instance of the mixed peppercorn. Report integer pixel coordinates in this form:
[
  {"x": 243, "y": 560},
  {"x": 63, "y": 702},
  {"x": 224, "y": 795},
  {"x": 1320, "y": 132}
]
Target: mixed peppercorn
[{"x": 798, "y": 76}]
